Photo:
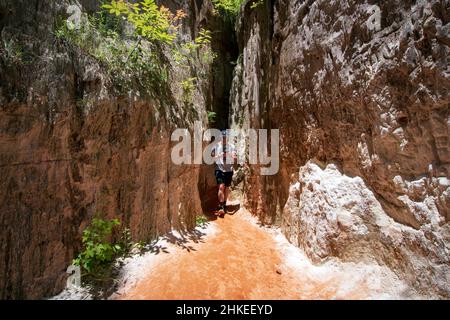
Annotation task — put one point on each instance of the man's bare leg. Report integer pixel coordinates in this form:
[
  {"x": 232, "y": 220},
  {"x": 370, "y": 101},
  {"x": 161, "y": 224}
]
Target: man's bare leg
[
  {"x": 227, "y": 194},
  {"x": 222, "y": 193}
]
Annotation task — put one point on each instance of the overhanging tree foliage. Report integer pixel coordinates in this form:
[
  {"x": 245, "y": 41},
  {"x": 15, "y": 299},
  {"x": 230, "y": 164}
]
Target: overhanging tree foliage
[{"x": 150, "y": 21}]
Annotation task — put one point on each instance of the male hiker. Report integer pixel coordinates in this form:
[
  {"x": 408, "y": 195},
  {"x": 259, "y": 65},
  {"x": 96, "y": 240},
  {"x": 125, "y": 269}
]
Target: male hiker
[{"x": 224, "y": 154}]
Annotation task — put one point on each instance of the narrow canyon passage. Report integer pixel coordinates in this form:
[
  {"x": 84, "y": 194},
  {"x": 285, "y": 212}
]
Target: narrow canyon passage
[{"x": 234, "y": 258}]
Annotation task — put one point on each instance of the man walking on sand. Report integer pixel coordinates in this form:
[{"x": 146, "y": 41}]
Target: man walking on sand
[{"x": 225, "y": 155}]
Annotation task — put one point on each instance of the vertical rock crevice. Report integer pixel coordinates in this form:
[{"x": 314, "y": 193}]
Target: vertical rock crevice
[{"x": 224, "y": 45}]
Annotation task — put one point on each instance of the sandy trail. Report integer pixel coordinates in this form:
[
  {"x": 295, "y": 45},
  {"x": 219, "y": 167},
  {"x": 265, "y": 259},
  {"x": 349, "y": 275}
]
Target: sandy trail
[{"x": 241, "y": 260}]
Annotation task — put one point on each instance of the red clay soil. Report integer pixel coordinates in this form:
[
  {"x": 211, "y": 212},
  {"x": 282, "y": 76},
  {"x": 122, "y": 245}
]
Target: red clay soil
[{"x": 239, "y": 261}]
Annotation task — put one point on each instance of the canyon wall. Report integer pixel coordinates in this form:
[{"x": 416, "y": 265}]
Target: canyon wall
[
  {"x": 360, "y": 93},
  {"x": 71, "y": 147}
]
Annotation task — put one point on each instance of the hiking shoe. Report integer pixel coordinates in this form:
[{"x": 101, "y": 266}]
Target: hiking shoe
[{"x": 221, "y": 210}]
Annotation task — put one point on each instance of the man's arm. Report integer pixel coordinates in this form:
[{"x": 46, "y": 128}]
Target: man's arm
[
  {"x": 233, "y": 152},
  {"x": 214, "y": 155}
]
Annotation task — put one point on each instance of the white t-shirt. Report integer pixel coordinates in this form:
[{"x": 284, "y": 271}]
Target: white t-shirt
[{"x": 225, "y": 163}]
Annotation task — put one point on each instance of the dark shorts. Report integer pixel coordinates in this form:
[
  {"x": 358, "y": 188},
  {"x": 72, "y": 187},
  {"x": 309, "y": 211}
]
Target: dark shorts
[{"x": 224, "y": 178}]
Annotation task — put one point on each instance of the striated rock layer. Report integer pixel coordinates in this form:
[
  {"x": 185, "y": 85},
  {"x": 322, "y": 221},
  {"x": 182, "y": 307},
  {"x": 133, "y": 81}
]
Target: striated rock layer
[{"x": 361, "y": 88}]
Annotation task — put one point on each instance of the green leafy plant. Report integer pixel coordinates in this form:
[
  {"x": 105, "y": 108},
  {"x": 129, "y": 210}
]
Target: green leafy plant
[
  {"x": 203, "y": 40},
  {"x": 199, "y": 47},
  {"x": 98, "y": 248},
  {"x": 13, "y": 52},
  {"x": 256, "y": 4},
  {"x": 212, "y": 116},
  {"x": 150, "y": 21},
  {"x": 201, "y": 220},
  {"x": 228, "y": 7},
  {"x": 204, "y": 37},
  {"x": 65, "y": 30},
  {"x": 140, "y": 246},
  {"x": 188, "y": 87},
  {"x": 131, "y": 64},
  {"x": 125, "y": 242}
]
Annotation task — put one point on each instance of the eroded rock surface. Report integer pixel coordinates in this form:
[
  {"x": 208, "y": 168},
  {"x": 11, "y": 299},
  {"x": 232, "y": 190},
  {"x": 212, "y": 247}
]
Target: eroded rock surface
[
  {"x": 71, "y": 147},
  {"x": 329, "y": 214},
  {"x": 364, "y": 86}
]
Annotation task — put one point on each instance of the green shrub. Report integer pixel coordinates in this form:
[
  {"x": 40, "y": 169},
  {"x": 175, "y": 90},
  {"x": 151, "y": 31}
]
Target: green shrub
[
  {"x": 188, "y": 87},
  {"x": 186, "y": 53},
  {"x": 126, "y": 243},
  {"x": 98, "y": 249},
  {"x": 211, "y": 116},
  {"x": 204, "y": 37},
  {"x": 150, "y": 21},
  {"x": 12, "y": 52},
  {"x": 130, "y": 64},
  {"x": 256, "y": 4},
  {"x": 228, "y": 7},
  {"x": 133, "y": 60},
  {"x": 201, "y": 220}
]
